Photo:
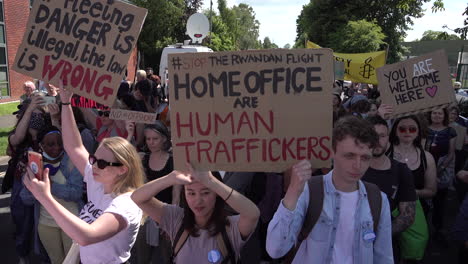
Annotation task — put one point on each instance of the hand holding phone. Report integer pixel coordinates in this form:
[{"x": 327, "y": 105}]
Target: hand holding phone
[{"x": 35, "y": 163}]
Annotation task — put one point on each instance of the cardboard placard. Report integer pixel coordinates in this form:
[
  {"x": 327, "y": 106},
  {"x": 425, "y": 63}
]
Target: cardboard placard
[
  {"x": 260, "y": 110},
  {"x": 85, "y": 43},
  {"x": 135, "y": 116},
  {"x": 416, "y": 85}
]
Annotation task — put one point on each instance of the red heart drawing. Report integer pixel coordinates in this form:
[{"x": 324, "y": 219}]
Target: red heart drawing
[{"x": 431, "y": 91}]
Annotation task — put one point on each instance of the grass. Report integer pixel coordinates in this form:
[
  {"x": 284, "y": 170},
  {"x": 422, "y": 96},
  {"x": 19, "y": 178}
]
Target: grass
[
  {"x": 8, "y": 108},
  {"x": 4, "y": 139}
]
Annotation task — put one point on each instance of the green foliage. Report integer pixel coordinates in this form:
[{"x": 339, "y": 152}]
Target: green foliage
[
  {"x": 8, "y": 108},
  {"x": 246, "y": 27},
  {"x": 438, "y": 35},
  {"x": 287, "y": 46},
  {"x": 321, "y": 18},
  {"x": 463, "y": 31},
  {"x": 267, "y": 44},
  {"x": 357, "y": 37},
  {"x": 4, "y": 139}
]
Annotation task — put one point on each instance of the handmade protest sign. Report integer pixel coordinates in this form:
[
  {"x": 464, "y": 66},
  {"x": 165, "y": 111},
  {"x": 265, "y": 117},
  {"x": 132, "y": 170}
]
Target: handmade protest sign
[
  {"x": 416, "y": 85},
  {"x": 137, "y": 117},
  {"x": 87, "y": 44},
  {"x": 258, "y": 110}
]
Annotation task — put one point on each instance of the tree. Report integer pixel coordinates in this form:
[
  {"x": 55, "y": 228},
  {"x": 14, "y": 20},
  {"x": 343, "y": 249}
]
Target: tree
[
  {"x": 321, "y": 18},
  {"x": 463, "y": 31},
  {"x": 246, "y": 27},
  {"x": 267, "y": 44},
  {"x": 287, "y": 46},
  {"x": 438, "y": 35},
  {"x": 220, "y": 38},
  {"x": 357, "y": 37}
]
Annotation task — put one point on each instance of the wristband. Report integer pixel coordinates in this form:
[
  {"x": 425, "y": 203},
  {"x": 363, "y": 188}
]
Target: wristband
[
  {"x": 69, "y": 103},
  {"x": 229, "y": 196}
]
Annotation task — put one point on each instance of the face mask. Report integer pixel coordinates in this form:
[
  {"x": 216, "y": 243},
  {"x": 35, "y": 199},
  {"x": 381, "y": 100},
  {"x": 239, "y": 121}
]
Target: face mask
[{"x": 45, "y": 155}]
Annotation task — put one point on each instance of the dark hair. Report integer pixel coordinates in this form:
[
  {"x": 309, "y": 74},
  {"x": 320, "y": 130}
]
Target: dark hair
[
  {"x": 456, "y": 108},
  {"x": 377, "y": 120},
  {"x": 145, "y": 87},
  {"x": 361, "y": 106},
  {"x": 218, "y": 219},
  {"x": 161, "y": 129},
  {"x": 44, "y": 132},
  {"x": 446, "y": 117},
  {"x": 393, "y": 133},
  {"x": 124, "y": 89},
  {"x": 359, "y": 129}
]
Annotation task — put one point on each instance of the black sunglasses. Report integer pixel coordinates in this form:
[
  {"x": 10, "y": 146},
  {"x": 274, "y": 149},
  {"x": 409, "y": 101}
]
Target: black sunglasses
[
  {"x": 102, "y": 164},
  {"x": 104, "y": 113}
]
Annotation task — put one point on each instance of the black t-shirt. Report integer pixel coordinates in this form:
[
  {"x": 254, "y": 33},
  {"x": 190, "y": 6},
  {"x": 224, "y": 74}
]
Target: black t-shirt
[
  {"x": 166, "y": 194},
  {"x": 396, "y": 182}
]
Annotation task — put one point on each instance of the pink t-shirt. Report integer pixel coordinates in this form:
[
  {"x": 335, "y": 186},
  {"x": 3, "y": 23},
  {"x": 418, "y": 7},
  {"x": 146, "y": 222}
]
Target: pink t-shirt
[{"x": 196, "y": 249}]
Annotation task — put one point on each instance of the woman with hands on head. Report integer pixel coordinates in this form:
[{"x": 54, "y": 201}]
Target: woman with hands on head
[
  {"x": 200, "y": 217},
  {"x": 108, "y": 224}
]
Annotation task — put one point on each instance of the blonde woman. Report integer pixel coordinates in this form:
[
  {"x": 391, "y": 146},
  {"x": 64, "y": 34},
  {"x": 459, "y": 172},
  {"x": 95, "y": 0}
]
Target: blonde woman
[{"x": 107, "y": 226}]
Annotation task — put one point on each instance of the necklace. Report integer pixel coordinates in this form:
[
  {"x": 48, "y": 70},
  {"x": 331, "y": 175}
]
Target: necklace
[{"x": 411, "y": 158}]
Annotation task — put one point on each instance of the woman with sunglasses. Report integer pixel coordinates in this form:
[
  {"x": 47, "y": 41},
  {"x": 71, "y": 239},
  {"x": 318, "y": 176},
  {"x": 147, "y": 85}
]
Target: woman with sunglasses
[
  {"x": 441, "y": 144},
  {"x": 108, "y": 224},
  {"x": 197, "y": 225},
  {"x": 406, "y": 147}
]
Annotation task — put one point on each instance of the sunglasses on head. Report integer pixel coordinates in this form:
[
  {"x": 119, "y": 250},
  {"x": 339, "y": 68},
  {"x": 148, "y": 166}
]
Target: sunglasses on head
[
  {"x": 102, "y": 164},
  {"x": 407, "y": 129},
  {"x": 104, "y": 113}
]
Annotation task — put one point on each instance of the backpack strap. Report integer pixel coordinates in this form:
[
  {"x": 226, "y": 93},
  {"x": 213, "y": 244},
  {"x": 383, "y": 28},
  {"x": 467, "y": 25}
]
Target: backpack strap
[
  {"x": 225, "y": 247},
  {"x": 179, "y": 240},
  {"x": 314, "y": 209},
  {"x": 375, "y": 202}
]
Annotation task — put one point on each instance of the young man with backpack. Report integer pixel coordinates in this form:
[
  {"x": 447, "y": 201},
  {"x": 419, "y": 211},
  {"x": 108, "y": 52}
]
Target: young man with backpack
[{"x": 335, "y": 218}]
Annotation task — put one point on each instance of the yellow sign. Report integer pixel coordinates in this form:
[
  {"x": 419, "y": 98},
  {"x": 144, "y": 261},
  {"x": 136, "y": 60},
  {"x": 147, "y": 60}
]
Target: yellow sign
[{"x": 359, "y": 67}]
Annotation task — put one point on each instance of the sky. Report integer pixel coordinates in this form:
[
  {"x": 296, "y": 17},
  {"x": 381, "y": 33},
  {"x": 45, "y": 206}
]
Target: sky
[{"x": 278, "y": 18}]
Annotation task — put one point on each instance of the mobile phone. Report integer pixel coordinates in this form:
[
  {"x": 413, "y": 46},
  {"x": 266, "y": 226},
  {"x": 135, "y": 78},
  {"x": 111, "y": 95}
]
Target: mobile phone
[
  {"x": 49, "y": 100},
  {"x": 35, "y": 163}
]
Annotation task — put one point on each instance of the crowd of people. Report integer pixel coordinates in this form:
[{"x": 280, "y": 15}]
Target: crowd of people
[{"x": 109, "y": 189}]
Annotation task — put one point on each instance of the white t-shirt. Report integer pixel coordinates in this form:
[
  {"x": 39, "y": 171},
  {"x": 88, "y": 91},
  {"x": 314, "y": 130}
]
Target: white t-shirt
[
  {"x": 343, "y": 248},
  {"x": 117, "y": 248}
]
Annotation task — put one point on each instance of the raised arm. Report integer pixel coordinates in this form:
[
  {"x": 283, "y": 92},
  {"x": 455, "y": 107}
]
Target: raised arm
[
  {"x": 430, "y": 178},
  {"x": 106, "y": 226},
  {"x": 70, "y": 133},
  {"x": 22, "y": 127},
  {"x": 144, "y": 196}
]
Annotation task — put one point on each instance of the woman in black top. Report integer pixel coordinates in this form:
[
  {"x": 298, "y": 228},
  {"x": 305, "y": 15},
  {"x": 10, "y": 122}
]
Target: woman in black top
[
  {"x": 406, "y": 147},
  {"x": 151, "y": 244}
]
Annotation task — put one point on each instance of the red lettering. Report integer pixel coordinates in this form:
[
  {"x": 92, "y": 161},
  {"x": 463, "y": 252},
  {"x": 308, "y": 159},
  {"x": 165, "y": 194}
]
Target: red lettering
[
  {"x": 67, "y": 68},
  {"x": 48, "y": 68},
  {"x": 300, "y": 148},
  {"x": 104, "y": 91},
  {"x": 244, "y": 120},
  {"x": 259, "y": 119},
  {"x": 202, "y": 149},
  {"x": 179, "y": 125},
  {"x": 77, "y": 76},
  {"x": 286, "y": 148},
  {"x": 311, "y": 143},
  {"x": 187, "y": 152},
  {"x": 88, "y": 81},
  {"x": 250, "y": 147},
  {"x": 270, "y": 149},
  {"x": 235, "y": 147},
  {"x": 325, "y": 148},
  {"x": 221, "y": 148},
  {"x": 218, "y": 119},
  {"x": 207, "y": 130}
]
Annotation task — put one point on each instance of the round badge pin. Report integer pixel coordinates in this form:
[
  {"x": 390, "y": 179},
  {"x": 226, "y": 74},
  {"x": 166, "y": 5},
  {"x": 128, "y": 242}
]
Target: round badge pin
[
  {"x": 369, "y": 236},
  {"x": 214, "y": 256},
  {"x": 34, "y": 167}
]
